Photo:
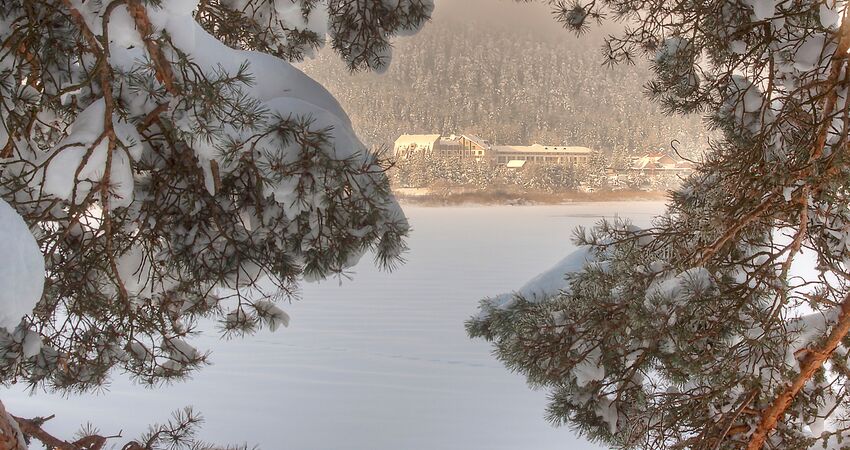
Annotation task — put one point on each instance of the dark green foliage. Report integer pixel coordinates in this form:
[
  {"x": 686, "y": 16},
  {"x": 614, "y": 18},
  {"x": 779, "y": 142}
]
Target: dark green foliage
[
  {"x": 691, "y": 333},
  {"x": 196, "y": 188}
]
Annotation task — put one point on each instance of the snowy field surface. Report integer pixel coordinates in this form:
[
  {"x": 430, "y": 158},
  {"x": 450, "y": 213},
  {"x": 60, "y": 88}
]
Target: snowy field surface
[{"x": 379, "y": 362}]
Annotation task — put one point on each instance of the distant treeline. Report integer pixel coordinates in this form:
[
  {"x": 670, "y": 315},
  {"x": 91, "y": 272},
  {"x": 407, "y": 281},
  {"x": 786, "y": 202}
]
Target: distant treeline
[
  {"x": 510, "y": 85},
  {"x": 426, "y": 171}
]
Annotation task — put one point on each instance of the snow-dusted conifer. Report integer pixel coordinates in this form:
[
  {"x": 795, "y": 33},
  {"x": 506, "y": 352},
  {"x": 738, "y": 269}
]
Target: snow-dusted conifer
[
  {"x": 167, "y": 159},
  {"x": 725, "y": 324}
]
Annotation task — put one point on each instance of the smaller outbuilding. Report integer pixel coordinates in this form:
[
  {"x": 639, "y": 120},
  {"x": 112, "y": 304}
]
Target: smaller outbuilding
[{"x": 658, "y": 163}]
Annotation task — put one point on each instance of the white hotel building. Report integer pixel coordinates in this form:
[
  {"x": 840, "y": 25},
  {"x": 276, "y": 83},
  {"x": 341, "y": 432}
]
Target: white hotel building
[{"x": 473, "y": 147}]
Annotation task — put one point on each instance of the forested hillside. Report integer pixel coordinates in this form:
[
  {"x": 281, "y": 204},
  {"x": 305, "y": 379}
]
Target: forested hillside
[{"x": 517, "y": 80}]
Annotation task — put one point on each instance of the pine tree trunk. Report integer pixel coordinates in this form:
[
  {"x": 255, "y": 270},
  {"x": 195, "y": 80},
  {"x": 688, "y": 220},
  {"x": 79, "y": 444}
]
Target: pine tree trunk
[{"x": 9, "y": 431}]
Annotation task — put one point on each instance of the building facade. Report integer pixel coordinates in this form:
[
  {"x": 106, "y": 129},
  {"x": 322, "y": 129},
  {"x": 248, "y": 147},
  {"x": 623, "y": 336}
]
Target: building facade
[
  {"x": 551, "y": 154},
  {"x": 466, "y": 146},
  {"x": 470, "y": 146},
  {"x": 408, "y": 145}
]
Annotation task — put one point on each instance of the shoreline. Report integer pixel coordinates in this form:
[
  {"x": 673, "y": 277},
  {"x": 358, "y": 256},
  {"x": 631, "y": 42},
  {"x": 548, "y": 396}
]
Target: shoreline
[{"x": 428, "y": 197}]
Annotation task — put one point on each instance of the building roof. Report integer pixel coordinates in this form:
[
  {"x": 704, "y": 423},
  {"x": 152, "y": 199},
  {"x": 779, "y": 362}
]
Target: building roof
[
  {"x": 515, "y": 164},
  {"x": 450, "y": 140},
  {"x": 660, "y": 161},
  {"x": 477, "y": 140},
  {"x": 537, "y": 148},
  {"x": 407, "y": 139}
]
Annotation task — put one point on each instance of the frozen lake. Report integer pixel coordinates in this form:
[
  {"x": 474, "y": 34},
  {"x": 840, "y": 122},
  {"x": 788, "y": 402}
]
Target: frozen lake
[{"x": 379, "y": 362}]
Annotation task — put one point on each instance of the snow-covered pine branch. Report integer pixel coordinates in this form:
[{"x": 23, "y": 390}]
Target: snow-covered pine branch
[
  {"x": 725, "y": 324},
  {"x": 168, "y": 160}
]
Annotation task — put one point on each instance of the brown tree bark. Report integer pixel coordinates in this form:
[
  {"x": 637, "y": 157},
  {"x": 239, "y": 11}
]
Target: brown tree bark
[
  {"x": 817, "y": 356},
  {"x": 8, "y": 433},
  {"x": 813, "y": 361}
]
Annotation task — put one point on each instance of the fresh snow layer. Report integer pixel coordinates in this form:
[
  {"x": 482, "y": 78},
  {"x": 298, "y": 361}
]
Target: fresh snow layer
[
  {"x": 86, "y": 142},
  {"x": 546, "y": 284},
  {"x": 552, "y": 281},
  {"x": 378, "y": 363},
  {"x": 21, "y": 270},
  {"x": 78, "y": 162}
]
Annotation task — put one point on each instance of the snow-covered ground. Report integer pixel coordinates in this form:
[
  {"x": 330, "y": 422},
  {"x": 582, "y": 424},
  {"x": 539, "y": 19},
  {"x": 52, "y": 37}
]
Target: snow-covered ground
[{"x": 379, "y": 362}]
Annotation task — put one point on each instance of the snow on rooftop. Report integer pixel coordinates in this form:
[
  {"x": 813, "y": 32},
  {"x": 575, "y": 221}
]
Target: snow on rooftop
[
  {"x": 537, "y": 148},
  {"x": 660, "y": 161},
  {"x": 418, "y": 139}
]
